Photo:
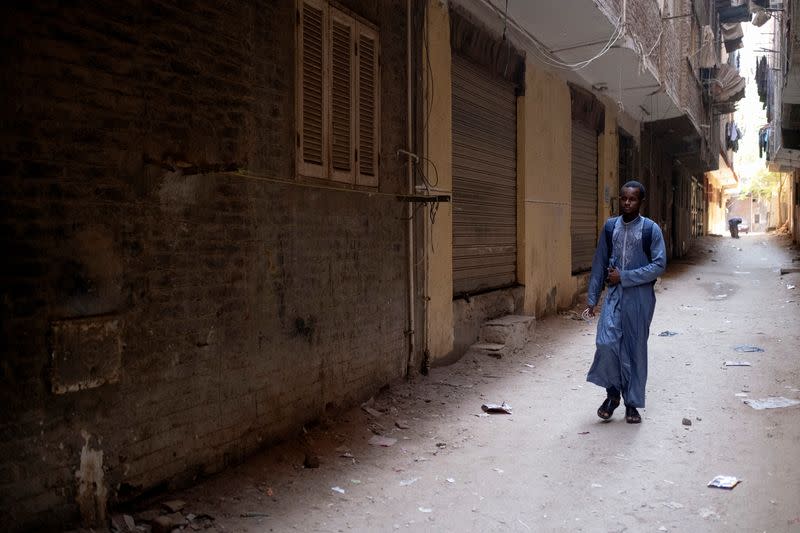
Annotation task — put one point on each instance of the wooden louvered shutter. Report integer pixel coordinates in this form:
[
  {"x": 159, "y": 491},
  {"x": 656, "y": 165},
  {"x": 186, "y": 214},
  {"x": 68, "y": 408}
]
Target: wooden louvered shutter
[
  {"x": 312, "y": 153},
  {"x": 342, "y": 97},
  {"x": 368, "y": 60}
]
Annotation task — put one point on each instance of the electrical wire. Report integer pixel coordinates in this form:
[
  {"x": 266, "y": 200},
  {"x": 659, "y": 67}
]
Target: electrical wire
[{"x": 548, "y": 57}]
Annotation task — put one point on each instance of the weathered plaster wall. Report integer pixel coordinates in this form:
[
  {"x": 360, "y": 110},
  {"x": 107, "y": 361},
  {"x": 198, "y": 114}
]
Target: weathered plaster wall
[
  {"x": 439, "y": 149},
  {"x": 545, "y": 167}
]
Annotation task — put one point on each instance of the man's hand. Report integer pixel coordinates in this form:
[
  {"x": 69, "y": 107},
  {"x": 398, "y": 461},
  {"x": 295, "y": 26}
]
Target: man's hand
[
  {"x": 589, "y": 311},
  {"x": 613, "y": 276}
]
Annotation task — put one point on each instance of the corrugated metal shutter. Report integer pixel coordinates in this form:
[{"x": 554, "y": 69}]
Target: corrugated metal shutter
[
  {"x": 484, "y": 179},
  {"x": 584, "y": 196}
]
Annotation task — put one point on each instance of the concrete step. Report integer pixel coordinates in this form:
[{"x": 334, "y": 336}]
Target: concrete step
[
  {"x": 505, "y": 335},
  {"x": 490, "y": 349}
]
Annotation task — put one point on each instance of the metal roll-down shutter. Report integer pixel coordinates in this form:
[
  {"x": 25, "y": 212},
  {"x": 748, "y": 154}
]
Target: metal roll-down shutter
[
  {"x": 584, "y": 196},
  {"x": 484, "y": 179}
]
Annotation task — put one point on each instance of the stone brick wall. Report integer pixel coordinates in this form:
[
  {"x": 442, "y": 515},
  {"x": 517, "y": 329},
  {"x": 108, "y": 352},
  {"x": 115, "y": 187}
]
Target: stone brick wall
[{"x": 186, "y": 315}]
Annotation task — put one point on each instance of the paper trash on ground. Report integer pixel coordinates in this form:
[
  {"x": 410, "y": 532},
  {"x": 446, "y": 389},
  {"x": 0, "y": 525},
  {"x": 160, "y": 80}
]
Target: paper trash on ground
[
  {"x": 497, "y": 408},
  {"x": 724, "y": 482},
  {"x": 773, "y": 402}
]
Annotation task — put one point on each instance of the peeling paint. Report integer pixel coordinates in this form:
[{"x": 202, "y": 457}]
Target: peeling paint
[{"x": 92, "y": 492}]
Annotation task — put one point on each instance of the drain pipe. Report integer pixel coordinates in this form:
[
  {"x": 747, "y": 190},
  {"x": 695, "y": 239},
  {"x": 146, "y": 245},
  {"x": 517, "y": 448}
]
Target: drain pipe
[{"x": 409, "y": 206}]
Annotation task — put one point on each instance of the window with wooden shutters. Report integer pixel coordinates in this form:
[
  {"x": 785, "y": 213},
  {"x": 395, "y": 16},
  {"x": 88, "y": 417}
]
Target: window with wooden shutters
[
  {"x": 337, "y": 95},
  {"x": 367, "y": 107}
]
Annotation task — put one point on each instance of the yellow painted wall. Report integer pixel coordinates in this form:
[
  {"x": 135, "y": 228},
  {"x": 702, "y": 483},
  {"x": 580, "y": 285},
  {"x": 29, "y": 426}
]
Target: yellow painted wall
[
  {"x": 545, "y": 168},
  {"x": 607, "y": 165},
  {"x": 438, "y": 285}
]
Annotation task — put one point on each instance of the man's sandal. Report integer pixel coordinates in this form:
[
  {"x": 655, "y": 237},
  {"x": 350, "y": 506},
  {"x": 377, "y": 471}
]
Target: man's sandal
[
  {"x": 607, "y": 408},
  {"x": 632, "y": 415}
]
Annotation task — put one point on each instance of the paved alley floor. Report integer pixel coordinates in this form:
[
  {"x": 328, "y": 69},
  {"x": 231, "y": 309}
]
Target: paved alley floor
[{"x": 553, "y": 465}]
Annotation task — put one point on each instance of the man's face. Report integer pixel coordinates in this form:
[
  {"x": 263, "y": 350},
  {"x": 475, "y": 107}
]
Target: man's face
[{"x": 629, "y": 201}]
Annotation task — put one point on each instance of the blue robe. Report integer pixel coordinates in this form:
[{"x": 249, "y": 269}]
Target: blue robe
[{"x": 620, "y": 360}]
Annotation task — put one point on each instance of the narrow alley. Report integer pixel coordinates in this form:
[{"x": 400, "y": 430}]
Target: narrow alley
[{"x": 552, "y": 465}]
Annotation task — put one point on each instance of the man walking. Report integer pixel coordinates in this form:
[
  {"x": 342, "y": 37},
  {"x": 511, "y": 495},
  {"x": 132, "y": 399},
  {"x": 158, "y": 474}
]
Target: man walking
[
  {"x": 630, "y": 256},
  {"x": 733, "y": 226}
]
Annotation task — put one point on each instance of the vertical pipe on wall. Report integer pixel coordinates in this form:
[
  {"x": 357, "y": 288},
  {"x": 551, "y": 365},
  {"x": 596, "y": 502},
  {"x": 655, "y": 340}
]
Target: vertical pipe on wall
[{"x": 409, "y": 208}]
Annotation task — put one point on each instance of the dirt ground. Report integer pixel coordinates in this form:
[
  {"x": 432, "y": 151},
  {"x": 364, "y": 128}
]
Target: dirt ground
[{"x": 552, "y": 465}]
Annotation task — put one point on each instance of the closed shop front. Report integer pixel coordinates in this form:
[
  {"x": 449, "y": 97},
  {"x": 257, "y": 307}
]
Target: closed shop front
[
  {"x": 484, "y": 179},
  {"x": 587, "y": 120}
]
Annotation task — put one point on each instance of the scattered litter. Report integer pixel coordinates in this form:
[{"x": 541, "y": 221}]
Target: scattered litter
[
  {"x": 498, "y": 470},
  {"x": 597, "y": 486},
  {"x": 503, "y": 408},
  {"x": 583, "y": 433},
  {"x": 707, "y": 513},
  {"x": 738, "y": 363},
  {"x": 529, "y": 365},
  {"x": 340, "y": 490},
  {"x": 673, "y": 505},
  {"x": 747, "y": 348},
  {"x": 355, "y": 481},
  {"x": 790, "y": 287},
  {"x": 686, "y": 422},
  {"x": 425, "y": 509},
  {"x": 173, "y": 506},
  {"x": 667, "y": 333},
  {"x": 441, "y": 445},
  {"x": 773, "y": 402},
  {"x": 724, "y": 482},
  {"x": 407, "y": 482},
  {"x": 255, "y": 514},
  {"x": 741, "y": 395},
  {"x": 379, "y": 440},
  {"x": 401, "y": 424},
  {"x": 348, "y": 455},
  {"x": 662, "y": 528},
  {"x": 451, "y": 480}
]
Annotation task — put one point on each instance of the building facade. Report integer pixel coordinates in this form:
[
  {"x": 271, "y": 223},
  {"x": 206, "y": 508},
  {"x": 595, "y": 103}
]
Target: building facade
[{"x": 227, "y": 221}]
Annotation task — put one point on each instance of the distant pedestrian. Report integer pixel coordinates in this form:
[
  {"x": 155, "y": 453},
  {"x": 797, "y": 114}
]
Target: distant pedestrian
[
  {"x": 733, "y": 226},
  {"x": 630, "y": 256}
]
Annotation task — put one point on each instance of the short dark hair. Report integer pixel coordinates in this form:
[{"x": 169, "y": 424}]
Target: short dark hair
[{"x": 635, "y": 185}]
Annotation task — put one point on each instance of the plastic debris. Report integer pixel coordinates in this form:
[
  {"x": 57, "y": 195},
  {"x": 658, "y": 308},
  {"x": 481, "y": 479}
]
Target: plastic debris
[
  {"x": 773, "y": 402},
  {"x": 340, "y": 490},
  {"x": 724, "y": 482},
  {"x": 747, "y": 348},
  {"x": 667, "y": 333},
  {"x": 503, "y": 408},
  {"x": 425, "y": 510},
  {"x": 738, "y": 363},
  {"x": 451, "y": 480},
  {"x": 407, "y": 482},
  {"x": 790, "y": 287}
]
